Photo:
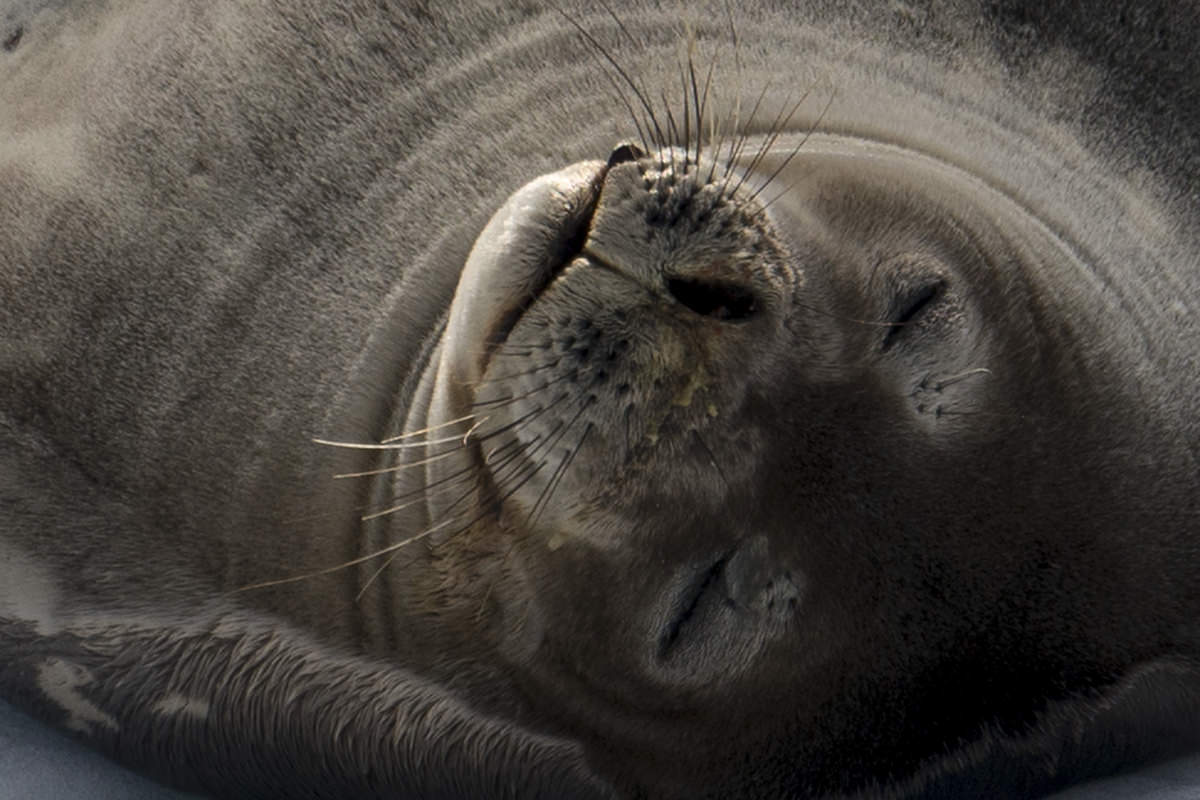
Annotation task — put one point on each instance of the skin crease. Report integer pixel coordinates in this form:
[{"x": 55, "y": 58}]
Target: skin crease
[{"x": 820, "y": 425}]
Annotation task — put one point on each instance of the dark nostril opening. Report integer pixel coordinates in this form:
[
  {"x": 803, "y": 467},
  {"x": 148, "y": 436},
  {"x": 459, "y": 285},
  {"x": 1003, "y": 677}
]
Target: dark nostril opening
[
  {"x": 626, "y": 151},
  {"x": 724, "y": 301}
]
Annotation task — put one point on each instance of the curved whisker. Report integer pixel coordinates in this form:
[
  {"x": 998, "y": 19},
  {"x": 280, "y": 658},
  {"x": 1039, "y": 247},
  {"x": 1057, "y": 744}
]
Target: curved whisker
[
  {"x": 398, "y": 467},
  {"x": 513, "y": 398},
  {"x": 390, "y": 445},
  {"x": 738, "y": 144},
  {"x": 560, "y": 471},
  {"x": 524, "y": 373},
  {"x": 773, "y": 135},
  {"x": 637, "y": 92},
  {"x": 803, "y": 141},
  {"x": 440, "y": 425}
]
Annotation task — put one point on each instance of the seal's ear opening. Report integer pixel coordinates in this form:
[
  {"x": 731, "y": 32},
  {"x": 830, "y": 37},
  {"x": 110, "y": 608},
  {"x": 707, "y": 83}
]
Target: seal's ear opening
[{"x": 625, "y": 151}]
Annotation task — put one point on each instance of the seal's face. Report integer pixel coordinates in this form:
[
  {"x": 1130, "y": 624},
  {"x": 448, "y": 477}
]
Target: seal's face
[
  {"x": 742, "y": 500},
  {"x": 794, "y": 458}
]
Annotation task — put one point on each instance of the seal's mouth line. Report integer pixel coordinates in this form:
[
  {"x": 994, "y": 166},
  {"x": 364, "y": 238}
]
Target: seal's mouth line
[{"x": 571, "y": 246}]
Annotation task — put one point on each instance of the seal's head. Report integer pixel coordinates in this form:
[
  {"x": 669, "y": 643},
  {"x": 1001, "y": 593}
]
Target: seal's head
[{"x": 765, "y": 456}]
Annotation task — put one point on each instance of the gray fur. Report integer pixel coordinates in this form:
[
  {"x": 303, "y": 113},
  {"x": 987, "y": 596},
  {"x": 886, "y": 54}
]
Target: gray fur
[{"x": 227, "y": 229}]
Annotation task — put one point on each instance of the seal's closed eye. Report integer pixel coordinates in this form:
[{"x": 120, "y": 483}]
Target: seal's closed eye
[{"x": 908, "y": 306}]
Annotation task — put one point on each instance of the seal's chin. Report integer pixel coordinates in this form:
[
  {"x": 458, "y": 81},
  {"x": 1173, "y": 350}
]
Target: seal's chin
[{"x": 522, "y": 247}]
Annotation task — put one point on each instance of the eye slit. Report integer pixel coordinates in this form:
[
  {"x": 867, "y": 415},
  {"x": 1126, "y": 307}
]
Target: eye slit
[
  {"x": 723, "y": 301},
  {"x": 908, "y": 306}
]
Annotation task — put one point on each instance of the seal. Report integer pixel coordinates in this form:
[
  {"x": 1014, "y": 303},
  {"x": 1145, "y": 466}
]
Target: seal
[{"x": 549, "y": 401}]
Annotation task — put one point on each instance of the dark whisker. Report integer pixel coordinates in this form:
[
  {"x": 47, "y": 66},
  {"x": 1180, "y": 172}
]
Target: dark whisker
[
  {"x": 557, "y": 477},
  {"x": 620, "y": 71},
  {"x": 737, "y": 58},
  {"x": 672, "y": 131},
  {"x": 426, "y": 490},
  {"x": 637, "y": 126},
  {"x": 512, "y": 375},
  {"x": 784, "y": 192},
  {"x": 803, "y": 141},
  {"x": 774, "y": 132},
  {"x": 718, "y": 130},
  {"x": 553, "y": 478},
  {"x": 699, "y": 99},
  {"x": 503, "y": 401},
  {"x": 687, "y": 121},
  {"x": 555, "y": 433},
  {"x": 742, "y": 138},
  {"x": 500, "y": 463}
]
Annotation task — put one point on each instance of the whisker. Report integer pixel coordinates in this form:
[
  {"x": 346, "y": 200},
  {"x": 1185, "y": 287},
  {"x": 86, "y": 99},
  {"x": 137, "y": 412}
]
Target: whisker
[
  {"x": 557, "y": 477},
  {"x": 548, "y": 488},
  {"x": 423, "y": 493},
  {"x": 672, "y": 131},
  {"x": 513, "y": 398},
  {"x": 699, "y": 102},
  {"x": 687, "y": 121},
  {"x": 440, "y": 425},
  {"x": 500, "y": 463},
  {"x": 741, "y": 139},
  {"x": 397, "y": 467},
  {"x": 343, "y": 565},
  {"x": 620, "y": 70},
  {"x": 394, "y": 548},
  {"x": 803, "y": 141},
  {"x": 497, "y": 379},
  {"x": 446, "y": 481},
  {"x": 390, "y": 446},
  {"x": 774, "y": 132}
]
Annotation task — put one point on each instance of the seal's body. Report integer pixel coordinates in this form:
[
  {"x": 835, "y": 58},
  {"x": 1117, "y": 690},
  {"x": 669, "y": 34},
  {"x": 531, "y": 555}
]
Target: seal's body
[{"x": 788, "y": 403}]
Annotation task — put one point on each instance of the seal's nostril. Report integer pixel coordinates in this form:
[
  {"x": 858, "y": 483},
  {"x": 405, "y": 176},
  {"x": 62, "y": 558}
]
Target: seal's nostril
[
  {"x": 723, "y": 301},
  {"x": 624, "y": 152}
]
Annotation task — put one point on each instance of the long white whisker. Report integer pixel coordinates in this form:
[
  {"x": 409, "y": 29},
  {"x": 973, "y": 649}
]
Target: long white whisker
[{"x": 410, "y": 434}]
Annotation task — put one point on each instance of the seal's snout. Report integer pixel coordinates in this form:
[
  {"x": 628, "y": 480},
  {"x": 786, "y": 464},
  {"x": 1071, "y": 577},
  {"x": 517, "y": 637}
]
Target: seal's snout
[{"x": 683, "y": 231}]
